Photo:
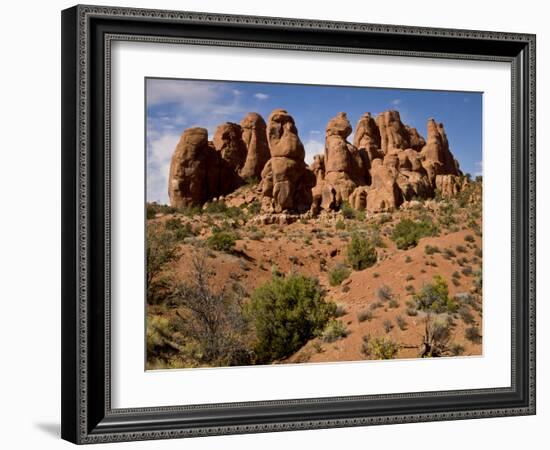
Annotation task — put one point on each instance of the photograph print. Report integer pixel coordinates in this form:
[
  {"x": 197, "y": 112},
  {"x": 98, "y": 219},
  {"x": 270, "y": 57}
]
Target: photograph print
[{"x": 299, "y": 224}]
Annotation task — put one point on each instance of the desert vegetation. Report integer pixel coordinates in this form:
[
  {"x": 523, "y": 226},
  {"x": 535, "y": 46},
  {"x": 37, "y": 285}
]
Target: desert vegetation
[
  {"x": 224, "y": 288},
  {"x": 254, "y": 266}
]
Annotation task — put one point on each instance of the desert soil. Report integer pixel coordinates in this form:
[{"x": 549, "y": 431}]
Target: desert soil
[{"x": 315, "y": 246}]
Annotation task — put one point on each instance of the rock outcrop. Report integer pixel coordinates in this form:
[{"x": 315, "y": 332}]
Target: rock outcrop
[
  {"x": 201, "y": 170},
  {"x": 232, "y": 153},
  {"x": 367, "y": 136},
  {"x": 255, "y": 138},
  {"x": 416, "y": 142},
  {"x": 318, "y": 169},
  {"x": 448, "y": 185},
  {"x": 401, "y": 165},
  {"x": 389, "y": 163},
  {"x": 393, "y": 133},
  {"x": 437, "y": 158},
  {"x": 384, "y": 193},
  {"x": 345, "y": 166},
  {"x": 188, "y": 183},
  {"x": 286, "y": 182}
]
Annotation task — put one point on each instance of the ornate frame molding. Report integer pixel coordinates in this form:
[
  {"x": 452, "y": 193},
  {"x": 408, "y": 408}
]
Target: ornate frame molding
[{"x": 80, "y": 423}]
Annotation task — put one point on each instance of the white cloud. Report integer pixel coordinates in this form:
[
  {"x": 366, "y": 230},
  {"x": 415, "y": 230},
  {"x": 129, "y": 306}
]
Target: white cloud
[
  {"x": 396, "y": 101},
  {"x": 314, "y": 132},
  {"x": 181, "y": 91},
  {"x": 479, "y": 172},
  {"x": 313, "y": 147},
  {"x": 181, "y": 104},
  {"x": 160, "y": 147},
  {"x": 196, "y": 98}
]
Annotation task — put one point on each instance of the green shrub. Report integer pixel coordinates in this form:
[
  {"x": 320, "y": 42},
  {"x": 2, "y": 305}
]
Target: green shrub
[
  {"x": 361, "y": 253},
  {"x": 338, "y": 274},
  {"x": 223, "y": 241},
  {"x": 213, "y": 318},
  {"x": 161, "y": 250},
  {"x": 347, "y": 211},
  {"x": 465, "y": 314},
  {"x": 256, "y": 235},
  {"x": 254, "y": 208},
  {"x": 340, "y": 311},
  {"x": 473, "y": 334},
  {"x": 434, "y": 297},
  {"x": 412, "y": 312},
  {"x": 287, "y": 312},
  {"x": 384, "y": 293},
  {"x": 365, "y": 314},
  {"x": 379, "y": 347},
  {"x": 478, "y": 281},
  {"x": 179, "y": 229},
  {"x": 173, "y": 224},
  {"x": 469, "y": 238},
  {"x": 461, "y": 249},
  {"x": 456, "y": 349},
  {"x": 154, "y": 208},
  {"x": 151, "y": 212},
  {"x": 388, "y": 326},
  {"x": 448, "y": 253},
  {"x": 215, "y": 208},
  {"x": 401, "y": 323},
  {"x": 437, "y": 336},
  {"x": 220, "y": 208},
  {"x": 340, "y": 225},
  {"x": 407, "y": 233},
  {"x": 431, "y": 249},
  {"x": 334, "y": 330}
]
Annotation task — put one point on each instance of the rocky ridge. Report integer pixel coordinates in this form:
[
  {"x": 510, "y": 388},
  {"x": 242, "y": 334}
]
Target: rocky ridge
[{"x": 387, "y": 164}]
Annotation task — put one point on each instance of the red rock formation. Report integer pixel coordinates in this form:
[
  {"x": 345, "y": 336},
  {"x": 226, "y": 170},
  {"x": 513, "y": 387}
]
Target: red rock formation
[
  {"x": 393, "y": 134},
  {"x": 230, "y": 145},
  {"x": 367, "y": 134},
  {"x": 318, "y": 169},
  {"x": 346, "y": 167},
  {"x": 188, "y": 183},
  {"x": 384, "y": 193},
  {"x": 448, "y": 185},
  {"x": 390, "y": 163},
  {"x": 286, "y": 180},
  {"x": 416, "y": 141},
  {"x": 437, "y": 158},
  {"x": 201, "y": 170},
  {"x": 255, "y": 138},
  {"x": 358, "y": 198}
]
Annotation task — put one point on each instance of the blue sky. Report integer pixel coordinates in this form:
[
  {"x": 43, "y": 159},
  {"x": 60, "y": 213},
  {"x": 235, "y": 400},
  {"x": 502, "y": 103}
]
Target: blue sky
[{"x": 174, "y": 105}]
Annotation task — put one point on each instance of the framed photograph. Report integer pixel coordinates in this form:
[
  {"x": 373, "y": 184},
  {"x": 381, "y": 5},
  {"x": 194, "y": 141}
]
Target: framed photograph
[{"x": 281, "y": 224}]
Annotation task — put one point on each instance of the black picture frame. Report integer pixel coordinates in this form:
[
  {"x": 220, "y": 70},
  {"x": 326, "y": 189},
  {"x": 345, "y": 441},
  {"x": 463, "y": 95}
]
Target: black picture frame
[{"x": 87, "y": 416}]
